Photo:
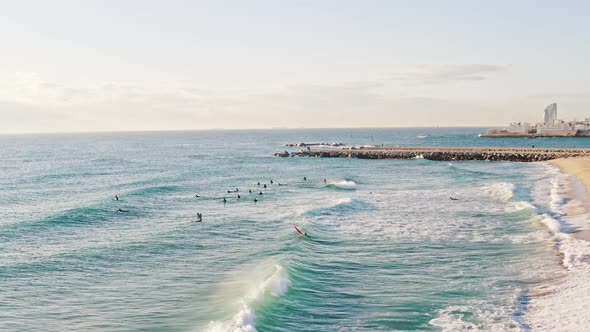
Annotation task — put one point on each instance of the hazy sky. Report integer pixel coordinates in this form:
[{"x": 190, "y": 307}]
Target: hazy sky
[{"x": 156, "y": 65}]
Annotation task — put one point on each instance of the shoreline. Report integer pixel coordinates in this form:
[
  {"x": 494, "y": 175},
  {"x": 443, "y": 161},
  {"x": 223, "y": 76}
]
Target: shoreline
[
  {"x": 560, "y": 305},
  {"x": 579, "y": 189}
]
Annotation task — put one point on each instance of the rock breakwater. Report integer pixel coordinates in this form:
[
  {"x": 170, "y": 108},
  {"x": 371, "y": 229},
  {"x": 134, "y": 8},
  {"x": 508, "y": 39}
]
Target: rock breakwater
[{"x": 443, "y": 153}]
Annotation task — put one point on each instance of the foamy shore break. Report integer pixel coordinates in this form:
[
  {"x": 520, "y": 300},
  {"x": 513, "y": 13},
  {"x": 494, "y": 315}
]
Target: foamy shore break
[
  {"x": 562, "y": 306},
  {"x": 442, "y": 153}
]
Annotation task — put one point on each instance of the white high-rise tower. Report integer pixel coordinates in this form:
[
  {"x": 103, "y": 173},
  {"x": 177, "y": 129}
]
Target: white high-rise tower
[{"x": 550, "y": 113}]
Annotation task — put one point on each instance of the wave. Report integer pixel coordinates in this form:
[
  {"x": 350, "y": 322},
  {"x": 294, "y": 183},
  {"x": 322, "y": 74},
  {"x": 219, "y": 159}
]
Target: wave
[
  {"x": 421, "y": 136},
  {"x": 152, "y": 190},
  {"x": 244, "y": 321},
  {"x": 557, "y": 195},
  {"x": 562, "y": 302},
  {"x": 502, "y": 191},
  {"x": 342, "y": 184},
  {"x": 475, "y": 317},
  {"x": 70, "y": 218},
  {"x": 343, "y": 205}
]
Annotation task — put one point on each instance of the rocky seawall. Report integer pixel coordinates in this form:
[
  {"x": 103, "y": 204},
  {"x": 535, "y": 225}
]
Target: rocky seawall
[{"x": 443, "y": 153}]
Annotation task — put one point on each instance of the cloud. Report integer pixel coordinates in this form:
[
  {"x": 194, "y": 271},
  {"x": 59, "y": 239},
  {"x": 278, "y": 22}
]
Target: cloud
[
  {"x": 441, "y": 74},
  {"x": 91, "y": 106}
]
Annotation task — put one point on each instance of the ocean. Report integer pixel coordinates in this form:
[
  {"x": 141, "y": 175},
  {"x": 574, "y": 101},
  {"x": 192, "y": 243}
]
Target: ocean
[{"x": 387, "y": 249}]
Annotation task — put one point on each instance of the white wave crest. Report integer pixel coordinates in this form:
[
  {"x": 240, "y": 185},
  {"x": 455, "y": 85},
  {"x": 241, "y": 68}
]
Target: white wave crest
[
  {"x": 343, "y": 184},
  {"x": 522, "y": 205},
  {"x": 501, "y": 190},
  {"x": 274, "y": 285},
  {"x": 557, "y": 195},
  {"x": 478, "y": 317},
  {"x": 573, "y": 251}
]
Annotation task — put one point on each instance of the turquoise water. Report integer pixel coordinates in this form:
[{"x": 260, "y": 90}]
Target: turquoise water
[{"x": 388, "y": 250}]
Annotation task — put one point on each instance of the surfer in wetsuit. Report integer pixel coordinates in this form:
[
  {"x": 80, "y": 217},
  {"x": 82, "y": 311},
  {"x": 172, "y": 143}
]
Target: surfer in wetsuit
[
  {"x": 258, "y": 184},
  {"x": 453, "y": 199},
  {"x": 116, "y": 197},
  {"x": 271, "y": 182},
  {"x": 304, "y": 178},
  {"x": 239, "y": 196},
  {"x": 224, "y": 200},
  {"x": 199, "y": 217},
  {"x": 121, "y": 210},
  {"x": 325, "y": 181},
  {"x": 250, "y": 191},
  {"x": 260, "y": 193},
  {"x": 264, "y": 186},
  {"x": 255, "y": 200}
]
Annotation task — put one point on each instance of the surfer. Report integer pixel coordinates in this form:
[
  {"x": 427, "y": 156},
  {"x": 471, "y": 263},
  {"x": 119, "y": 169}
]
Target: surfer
[
  {"x": 260, "y": 193},
  {"x": 271, "y": 182},
  {"x": 258, "y": 183},
  {"x": 255, "y": 200},
  {"x": 300, "y": 232},
  {"x": 116, "y": 197},
  {"x": 199, "y": 217},
  {"x": 239, "y": 196},
  {"x": 325, "y": 181},
  {"x": 121, "y": 210},
  {"x": 304, "y": 178},
  {"x": 250, "y": 191},
  {"x": 197, "y": 196},
  {"x": 453, "y": 199},
  {"x": 264, "y": 187},
  {"x": 224, "y": 200}
]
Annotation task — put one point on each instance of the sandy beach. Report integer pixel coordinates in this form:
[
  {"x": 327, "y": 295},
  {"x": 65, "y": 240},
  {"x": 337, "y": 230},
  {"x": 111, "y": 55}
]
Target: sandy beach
[{"x": 578, "y": 167}]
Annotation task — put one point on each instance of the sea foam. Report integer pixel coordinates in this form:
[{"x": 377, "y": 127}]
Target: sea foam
[{"x": 561, "y": 303}]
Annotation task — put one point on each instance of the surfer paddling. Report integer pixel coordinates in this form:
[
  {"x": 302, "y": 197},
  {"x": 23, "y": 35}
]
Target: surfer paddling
[
  {"x": 300, "y": 232},
  {"x": 453, "y": 199},
  {"x": 121, "y": 210}
]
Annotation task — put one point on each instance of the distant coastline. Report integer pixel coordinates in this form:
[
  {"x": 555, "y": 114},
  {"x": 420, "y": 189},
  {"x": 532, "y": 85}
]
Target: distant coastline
[{"x": 550, "y": 127}]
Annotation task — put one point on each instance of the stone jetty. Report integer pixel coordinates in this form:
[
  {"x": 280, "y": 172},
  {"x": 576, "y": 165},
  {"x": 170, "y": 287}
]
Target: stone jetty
[{"x": 442, "y": 153}]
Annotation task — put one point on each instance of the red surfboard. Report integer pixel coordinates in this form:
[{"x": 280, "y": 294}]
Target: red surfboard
[{"x": 298, "y": 231}]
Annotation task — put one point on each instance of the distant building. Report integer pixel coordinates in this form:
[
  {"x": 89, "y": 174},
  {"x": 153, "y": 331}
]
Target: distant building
[
  {"x": 550, "y": 114},
  {"x": 551, "y": 127}
]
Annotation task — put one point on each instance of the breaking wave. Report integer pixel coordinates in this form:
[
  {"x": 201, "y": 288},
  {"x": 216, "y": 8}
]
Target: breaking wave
[
  {"x": 341, "y": 185},
  {"x": 274, "y": 285}
]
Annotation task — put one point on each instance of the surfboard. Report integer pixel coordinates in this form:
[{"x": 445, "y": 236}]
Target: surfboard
[{"x": 298, "y": 231}]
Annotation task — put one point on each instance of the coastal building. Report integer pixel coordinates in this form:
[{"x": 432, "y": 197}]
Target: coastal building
[
  {"x": 550, "y": 127},
  {"x": 551, "y": 113}
]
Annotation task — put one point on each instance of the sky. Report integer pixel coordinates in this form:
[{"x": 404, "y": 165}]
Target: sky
[{"x": 83, "y": 66}]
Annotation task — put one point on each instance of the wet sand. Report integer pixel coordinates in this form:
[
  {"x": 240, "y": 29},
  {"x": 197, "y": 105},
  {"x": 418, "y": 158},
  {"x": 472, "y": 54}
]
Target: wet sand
[{"x": 580, "y": 168}]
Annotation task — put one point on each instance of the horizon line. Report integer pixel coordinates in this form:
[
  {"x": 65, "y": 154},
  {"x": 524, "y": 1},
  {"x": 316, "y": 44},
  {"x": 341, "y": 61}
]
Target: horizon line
[{"x": 222, "y": 129}]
